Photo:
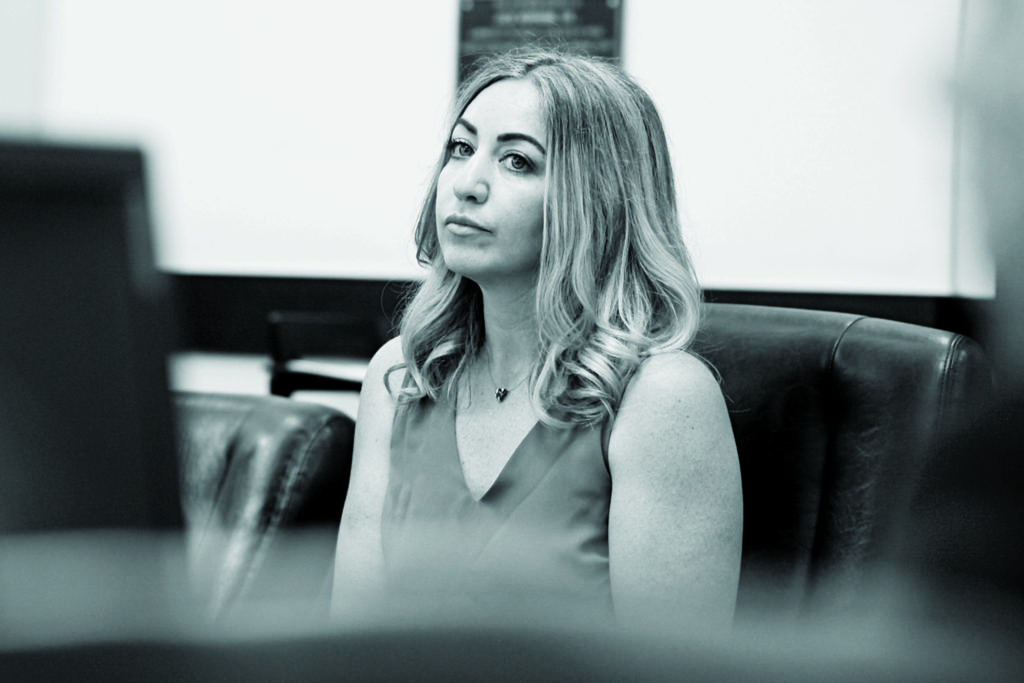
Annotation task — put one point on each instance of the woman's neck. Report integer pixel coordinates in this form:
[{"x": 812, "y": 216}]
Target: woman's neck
[{"x": 510, "y": 332}]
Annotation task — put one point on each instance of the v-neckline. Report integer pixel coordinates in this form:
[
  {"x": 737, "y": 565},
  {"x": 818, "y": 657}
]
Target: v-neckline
[{"x": 498, "y": 484}]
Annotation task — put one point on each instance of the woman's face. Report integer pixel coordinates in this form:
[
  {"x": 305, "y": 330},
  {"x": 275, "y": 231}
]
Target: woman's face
[{"x": 490, "y": 194}]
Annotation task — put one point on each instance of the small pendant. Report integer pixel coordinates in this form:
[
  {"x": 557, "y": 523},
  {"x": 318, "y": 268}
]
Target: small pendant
[{"x": 500, "y": 393}]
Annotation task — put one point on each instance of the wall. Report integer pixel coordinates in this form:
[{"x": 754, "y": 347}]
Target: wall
[
  {"x": 22, "y": 47},
  {"x": 814, "y": 141},
  {"x": 287, "y": 138}
]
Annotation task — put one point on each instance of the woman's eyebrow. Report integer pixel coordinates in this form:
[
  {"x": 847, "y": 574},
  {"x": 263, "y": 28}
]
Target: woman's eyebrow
[
  {"x": 465, "y": 124},
  {"x": 504, "y": 137}
]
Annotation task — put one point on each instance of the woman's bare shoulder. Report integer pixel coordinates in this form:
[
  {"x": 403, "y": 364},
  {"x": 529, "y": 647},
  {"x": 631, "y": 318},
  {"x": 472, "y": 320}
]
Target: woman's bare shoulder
[
  {"x": 673, "y": 400},
  {"x": 677, "y": 375},
  {"x": 389, "y": 354},
  {"x": 376, "y": 409},
  {"x": 383, "y": 368}
]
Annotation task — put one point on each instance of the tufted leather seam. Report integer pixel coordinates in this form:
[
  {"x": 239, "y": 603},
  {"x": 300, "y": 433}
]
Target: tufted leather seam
[
  {"x": 192, "y": 452},
  {"x": 839, "y": 340},
  {"x": 814, "y": 572},
  {"x": 289, "y": 484},
  {"x": 230, "y": 454},
  {"x": 283, "y": 495},
  {"x": 949, "y": 370},
  {"x": 228, "y": 592}
]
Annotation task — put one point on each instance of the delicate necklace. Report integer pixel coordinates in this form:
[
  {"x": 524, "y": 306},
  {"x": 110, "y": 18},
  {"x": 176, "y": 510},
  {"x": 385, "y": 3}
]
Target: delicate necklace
[{"x": 501, "y": 392}]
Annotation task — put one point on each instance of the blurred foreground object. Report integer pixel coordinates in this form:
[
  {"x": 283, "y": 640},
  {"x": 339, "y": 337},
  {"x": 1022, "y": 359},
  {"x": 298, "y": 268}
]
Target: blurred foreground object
[
  {"x": 961, "y": 558},
  {"x": 92, "y": 623},
  {"x": 990, "y": 94},
  {"x": 86, "y": 440}
]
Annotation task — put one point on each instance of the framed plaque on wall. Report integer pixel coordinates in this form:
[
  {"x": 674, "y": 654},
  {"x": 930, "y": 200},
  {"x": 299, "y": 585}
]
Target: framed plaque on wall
[{"x": 593, "y": 27}]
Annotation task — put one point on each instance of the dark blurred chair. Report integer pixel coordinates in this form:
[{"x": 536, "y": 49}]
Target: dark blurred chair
[
  {"x": 263, "y": 484},
  {"x": 296, "y": 335},
  {"x": 834, "y": 417}
]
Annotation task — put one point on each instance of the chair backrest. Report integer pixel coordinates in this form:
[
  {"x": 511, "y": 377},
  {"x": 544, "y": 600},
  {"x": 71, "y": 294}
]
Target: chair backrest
[
  {"x": 834, "y": 415},
  {"x": 263, "y": 485}
]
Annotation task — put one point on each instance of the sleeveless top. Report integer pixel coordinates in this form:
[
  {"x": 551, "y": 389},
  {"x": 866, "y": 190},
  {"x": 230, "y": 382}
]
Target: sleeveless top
[{"x": 538, "y": 536}]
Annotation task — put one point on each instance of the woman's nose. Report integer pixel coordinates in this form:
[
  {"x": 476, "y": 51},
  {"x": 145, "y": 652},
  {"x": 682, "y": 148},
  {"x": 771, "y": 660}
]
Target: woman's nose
[{"x": 471, "y": 183}]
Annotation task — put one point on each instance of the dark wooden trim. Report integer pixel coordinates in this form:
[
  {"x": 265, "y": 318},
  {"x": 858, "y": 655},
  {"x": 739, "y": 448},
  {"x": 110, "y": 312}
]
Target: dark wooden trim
[
  {"x": 230, "y": 313},
  {"x": 955, "y": 314}
]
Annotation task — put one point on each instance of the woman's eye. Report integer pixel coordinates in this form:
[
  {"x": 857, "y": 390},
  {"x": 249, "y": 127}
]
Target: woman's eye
[
  {"x": 460, "y": 149},
  {"x": 517, "y": 162}
]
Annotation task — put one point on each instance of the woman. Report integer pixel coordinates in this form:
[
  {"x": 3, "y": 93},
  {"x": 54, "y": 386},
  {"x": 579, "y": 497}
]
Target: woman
[{"x": 538, "y": 430}]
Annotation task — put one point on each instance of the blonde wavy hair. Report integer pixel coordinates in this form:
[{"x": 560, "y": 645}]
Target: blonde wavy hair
[{"x": 615, "y": 280}]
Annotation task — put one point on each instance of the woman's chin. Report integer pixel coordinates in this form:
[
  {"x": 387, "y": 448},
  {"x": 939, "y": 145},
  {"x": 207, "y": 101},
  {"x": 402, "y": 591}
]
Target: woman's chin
[{"x": 491, "y": 277}]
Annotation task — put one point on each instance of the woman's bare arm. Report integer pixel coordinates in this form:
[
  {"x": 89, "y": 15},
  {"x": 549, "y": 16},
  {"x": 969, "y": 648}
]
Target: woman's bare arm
[
  {"x": 358, "y": 572},
  {"x": 676, "y": 520}
]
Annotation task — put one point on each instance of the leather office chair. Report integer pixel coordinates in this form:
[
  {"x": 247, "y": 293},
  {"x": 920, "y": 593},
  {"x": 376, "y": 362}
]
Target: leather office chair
[
  {"x": 263, "y": 481},
  {"x": 834, "y": 415}
]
